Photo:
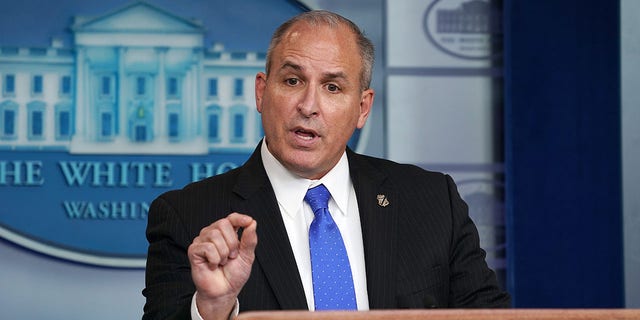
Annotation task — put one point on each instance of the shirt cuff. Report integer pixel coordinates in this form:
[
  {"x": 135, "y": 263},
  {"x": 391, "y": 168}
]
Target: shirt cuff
[{"x": 195, "y": 314}]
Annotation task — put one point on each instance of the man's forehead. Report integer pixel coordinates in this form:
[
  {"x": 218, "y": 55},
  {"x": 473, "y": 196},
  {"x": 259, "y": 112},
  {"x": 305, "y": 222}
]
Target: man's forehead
[
  {"x": 330, "y": 45},
  {"x": 301, "y": 29},
  {"x": 329, "y": 42}
]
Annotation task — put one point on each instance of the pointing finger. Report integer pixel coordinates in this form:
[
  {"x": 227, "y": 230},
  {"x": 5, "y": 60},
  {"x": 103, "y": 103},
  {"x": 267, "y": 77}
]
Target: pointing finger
[{"x": 239, "y": 220}]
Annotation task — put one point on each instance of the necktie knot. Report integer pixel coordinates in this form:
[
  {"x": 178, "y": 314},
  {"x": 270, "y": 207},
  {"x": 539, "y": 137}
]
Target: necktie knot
[{"x": 318, "y": 198}]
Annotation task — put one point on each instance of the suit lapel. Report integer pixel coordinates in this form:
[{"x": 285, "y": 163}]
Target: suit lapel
[
  {"x": 273, "y": 253},
  {"x": 379, "y": 224}
]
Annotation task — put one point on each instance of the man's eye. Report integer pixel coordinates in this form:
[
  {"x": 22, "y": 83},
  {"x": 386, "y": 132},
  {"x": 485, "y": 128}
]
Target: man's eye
[
  {"x": 293, "y": 81},
  {"x": 333, "y": 88}
]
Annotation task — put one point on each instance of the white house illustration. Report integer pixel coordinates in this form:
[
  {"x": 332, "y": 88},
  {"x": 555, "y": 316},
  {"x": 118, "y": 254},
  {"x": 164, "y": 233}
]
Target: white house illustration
[
  {"x": 138, "y": 80},
  {"x": 470, "y": 17}
]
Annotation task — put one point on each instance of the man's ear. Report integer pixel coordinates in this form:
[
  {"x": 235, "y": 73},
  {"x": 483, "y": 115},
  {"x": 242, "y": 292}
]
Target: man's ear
[
  {"x": 261, "y": 83},
  {"x": 366, "y": 102}
]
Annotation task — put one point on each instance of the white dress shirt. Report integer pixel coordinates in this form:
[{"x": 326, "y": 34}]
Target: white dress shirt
[{"x": 297, "y": 216}]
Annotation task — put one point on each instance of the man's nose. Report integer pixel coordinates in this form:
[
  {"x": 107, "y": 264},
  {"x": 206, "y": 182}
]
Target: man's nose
[{"x": 308, "y": 105}]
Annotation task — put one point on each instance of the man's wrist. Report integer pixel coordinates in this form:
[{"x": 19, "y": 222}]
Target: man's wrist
[
  {"x": 195, "y": 314},
  {"x": 211, "y": 312}
]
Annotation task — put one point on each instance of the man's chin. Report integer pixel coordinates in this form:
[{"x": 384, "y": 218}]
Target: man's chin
[{"x": 304, "y": 168}]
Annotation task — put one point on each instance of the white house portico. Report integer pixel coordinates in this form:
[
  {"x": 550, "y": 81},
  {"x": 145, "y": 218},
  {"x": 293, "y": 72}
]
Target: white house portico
[{"x": 138, "y": 80}]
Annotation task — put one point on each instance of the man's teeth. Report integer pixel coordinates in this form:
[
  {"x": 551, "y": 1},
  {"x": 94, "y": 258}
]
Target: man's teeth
[{"x": 305, "y": 135}]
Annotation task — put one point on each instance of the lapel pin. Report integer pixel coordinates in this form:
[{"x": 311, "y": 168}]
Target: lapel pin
[{"x": 382, "y": 200}]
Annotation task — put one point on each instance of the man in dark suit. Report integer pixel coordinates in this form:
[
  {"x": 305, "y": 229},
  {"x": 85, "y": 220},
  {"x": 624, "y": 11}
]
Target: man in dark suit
[{"x": 239, "y": 241}]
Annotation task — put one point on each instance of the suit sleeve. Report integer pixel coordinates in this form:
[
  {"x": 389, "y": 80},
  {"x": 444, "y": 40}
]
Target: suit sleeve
[
  {"x": 169, "y": 287},
  {"x": 472, "y": 283}
]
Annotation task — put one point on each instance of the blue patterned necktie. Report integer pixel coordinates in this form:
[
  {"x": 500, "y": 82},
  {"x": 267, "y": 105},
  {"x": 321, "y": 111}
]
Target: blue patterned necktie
[{"x": 332, "y": 280}]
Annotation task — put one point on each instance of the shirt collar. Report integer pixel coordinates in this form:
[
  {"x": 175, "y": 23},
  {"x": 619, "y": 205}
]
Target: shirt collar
[{"x": 290, "y": 189}]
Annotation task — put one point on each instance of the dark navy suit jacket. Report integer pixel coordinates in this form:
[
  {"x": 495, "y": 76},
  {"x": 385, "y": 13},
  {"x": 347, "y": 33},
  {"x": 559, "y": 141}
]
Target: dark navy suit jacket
[{"x": 421, "y": 250}]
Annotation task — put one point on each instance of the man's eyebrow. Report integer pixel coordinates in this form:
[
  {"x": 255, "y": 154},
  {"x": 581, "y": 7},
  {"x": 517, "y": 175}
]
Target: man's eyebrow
[
  {"x": 326, "y": 75},
  {"x": 290, "y": 65},
  {"x": 335, "y": 75}
]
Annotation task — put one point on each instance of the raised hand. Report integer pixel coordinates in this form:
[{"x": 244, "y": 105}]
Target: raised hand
[{"x": 221, "y": 263}]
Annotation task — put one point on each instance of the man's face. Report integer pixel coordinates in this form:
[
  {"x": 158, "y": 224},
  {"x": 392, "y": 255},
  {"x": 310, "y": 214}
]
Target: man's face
[{"x": 312, "y": 101}]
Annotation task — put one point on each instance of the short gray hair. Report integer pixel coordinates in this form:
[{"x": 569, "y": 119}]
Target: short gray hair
[{"x": 333, "y": 20}]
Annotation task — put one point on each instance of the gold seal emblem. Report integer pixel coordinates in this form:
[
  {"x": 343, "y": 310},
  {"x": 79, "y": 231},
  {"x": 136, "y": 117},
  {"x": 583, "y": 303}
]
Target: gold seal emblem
[{"x": 382, "y": 200}]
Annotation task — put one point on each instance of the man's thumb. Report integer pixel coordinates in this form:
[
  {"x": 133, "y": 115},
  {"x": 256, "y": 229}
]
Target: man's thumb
[{"x": 249, "y": 240}]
